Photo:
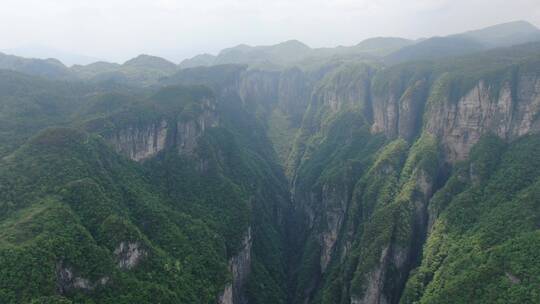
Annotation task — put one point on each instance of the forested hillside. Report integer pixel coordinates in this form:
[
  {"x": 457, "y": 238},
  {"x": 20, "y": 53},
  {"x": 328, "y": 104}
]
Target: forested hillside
[{"x": 279, "y": 174}]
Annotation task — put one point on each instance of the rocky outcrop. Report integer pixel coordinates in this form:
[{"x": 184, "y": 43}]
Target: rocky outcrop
[
  {"x": 334, "y": 203},
  {"x": 140, "y": 142},
  {"x": 391, "y": 256},
  {"x": 189, "y": 131},
  {"x": 508, "y": 112},
  {"x": 128, "y": 255},
  {"x": 384, "y": 282},
  {"x": 67, "y": 280},
  {"x": 346, "y": 88},
  {"x": 400, "y": 115},
  {"x": 240, "y": 268}
]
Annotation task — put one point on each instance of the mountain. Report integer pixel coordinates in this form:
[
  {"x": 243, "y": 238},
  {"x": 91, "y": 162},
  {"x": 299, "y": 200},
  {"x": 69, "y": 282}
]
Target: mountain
[
  {"x": 150, "y": 62},
  {"x": 279, "y": 54},
  {"x": 437, "y": 47},
  {"x": 40, "y": 67},
  {"x": 141, "y": 70},
  {"x": 382, "y": 45},
  {"x": 506, "y": 34},
  {"x": 295, "y": 52},
  {"x": 42, "y": 52},
  {"x": 139, "y": 199},
  {"x": 394, "y": 50},
  {"x": 94, "y": 69},
  {"x": 501, "y": 35},
  {"x": 382, "y": 161},
  {"x": 344, "y": 179},
  {"x": 199, "y": 60}
]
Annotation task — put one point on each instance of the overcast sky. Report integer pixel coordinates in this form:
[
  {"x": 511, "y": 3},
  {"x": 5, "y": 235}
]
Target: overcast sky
[{"x": 117, "y": 30}]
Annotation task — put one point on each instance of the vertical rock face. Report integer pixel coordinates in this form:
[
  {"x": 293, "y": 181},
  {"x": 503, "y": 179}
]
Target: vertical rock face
[
  {"x": 482, "y": 110},
  {"x": 258, "y": 88},
  {"x": 129, "y": 255},
  {"x": 334, "y": 202},
  {"x": 240, "y": 267},
  {"x": 385, "y": 114},
  {"x": 189, "y": 131},
  {"x": 140, "y": 142},
  {"x": 384, "y": 282},
  {"x": 346, "y": 88},
  {"x": 400, "y": 115},
  {"x": 294, "y": 91},
  {"x": 411, "y": 106},
  {"x": 509, "y": 112},
  {"x": 373, "y": 292}
]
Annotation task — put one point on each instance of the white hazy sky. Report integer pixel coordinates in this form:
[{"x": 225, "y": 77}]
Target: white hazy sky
[{"x": 117, "y": 30}]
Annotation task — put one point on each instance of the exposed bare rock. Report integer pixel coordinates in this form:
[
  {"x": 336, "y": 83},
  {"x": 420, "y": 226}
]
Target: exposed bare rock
[
  {"x": 188, "y": 132},
  {"x": 240, "y": 268},
  {"x": 411, "y": 106},
  {"x": 140, "y": 142},
  {"x": 508, "y": 115},
  {"x": 385, "y": 114},
  {"x": 512, "y": 278},
  {"x": 401, "y": 116},
  {"x": 66, "y": 280},
  {"x": 345, "y": 88},
  {"x": 129, "y": 255},
  {"x": 226, "y": 297},
  {"x": 374, "y": 291},
  {"x": 334, "y": 201}
]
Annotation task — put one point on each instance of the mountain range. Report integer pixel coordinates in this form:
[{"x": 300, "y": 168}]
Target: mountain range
[{"x": 392, "y": 171}]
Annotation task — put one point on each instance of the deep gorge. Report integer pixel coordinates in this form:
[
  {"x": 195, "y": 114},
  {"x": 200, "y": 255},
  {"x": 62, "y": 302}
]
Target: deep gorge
[{"x": 341, "y": 181}]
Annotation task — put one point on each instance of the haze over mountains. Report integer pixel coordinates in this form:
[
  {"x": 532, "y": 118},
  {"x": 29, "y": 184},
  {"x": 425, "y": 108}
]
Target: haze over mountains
[
  {"x": 293, "y": 52},
  {"x": 388, "y": 172}
]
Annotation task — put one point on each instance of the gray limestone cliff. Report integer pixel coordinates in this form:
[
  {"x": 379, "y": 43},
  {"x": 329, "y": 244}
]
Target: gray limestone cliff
[
  {"x": 140, "y": 141},
  {"x": 483, "y": 110},
  {"x": 240, "y": 267}
]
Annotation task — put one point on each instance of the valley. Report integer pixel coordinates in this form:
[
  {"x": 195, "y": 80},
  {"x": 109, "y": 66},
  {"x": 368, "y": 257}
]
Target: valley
[{"x": 387, "y": 172}]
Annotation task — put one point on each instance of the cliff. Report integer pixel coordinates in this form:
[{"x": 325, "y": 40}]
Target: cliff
[
  {"x": 239, "y": 267},
  {"x": 365, "y": 148}
]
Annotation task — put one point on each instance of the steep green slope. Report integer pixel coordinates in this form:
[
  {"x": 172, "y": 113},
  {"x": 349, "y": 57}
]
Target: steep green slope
[
  {"x": 367, "y": 221},
  {"x": 29, "y": 104},
  {"x": 371, "y": 149},
  {"x": 93, "y": 226},
  {"x": 344, "y": 181},
  {"x": 484, "y": 235},
  {"x": 82, "y": 222},
  {"x": 39, "y": 67},
  {"x": 143, "y": 70}
]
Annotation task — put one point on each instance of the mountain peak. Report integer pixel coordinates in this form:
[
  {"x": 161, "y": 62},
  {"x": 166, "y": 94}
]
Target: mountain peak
[
  {"x": 294, "y": 43},
  {"x": 148, "y": 61},
  {"x": 504, "y": 34}
]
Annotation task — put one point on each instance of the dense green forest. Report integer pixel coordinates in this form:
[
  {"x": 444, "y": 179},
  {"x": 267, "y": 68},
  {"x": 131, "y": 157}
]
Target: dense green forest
[{"x": 387, "y": 172}]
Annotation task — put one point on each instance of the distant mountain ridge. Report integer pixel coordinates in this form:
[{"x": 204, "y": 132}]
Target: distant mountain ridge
[
  {"x": 148, "y": 70},
  {"x": 300, "y": 176},
  {"x": 43, "y": 52},
  {"x": 501, "y": 35},
  {"x": 294, "y": 51}
]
